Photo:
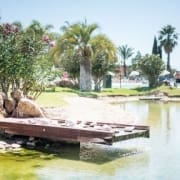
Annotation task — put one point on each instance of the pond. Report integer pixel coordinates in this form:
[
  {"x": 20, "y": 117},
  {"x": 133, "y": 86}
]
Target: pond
[{"x": 154, "y": 158}]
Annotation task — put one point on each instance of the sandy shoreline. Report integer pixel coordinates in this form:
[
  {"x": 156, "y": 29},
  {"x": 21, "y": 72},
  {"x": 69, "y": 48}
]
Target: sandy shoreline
[
  {"x": 96, "y": 110},
  {"x": 90, "y": 109}
]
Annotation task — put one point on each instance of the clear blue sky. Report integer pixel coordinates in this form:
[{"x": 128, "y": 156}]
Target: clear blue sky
[{"x": 131, "y": 22}]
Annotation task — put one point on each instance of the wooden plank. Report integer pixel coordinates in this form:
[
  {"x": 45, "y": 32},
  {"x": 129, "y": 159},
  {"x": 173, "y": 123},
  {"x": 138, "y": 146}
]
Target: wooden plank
[
  {"x": 55, "y": 133},
  {"x": 136, "y": 134},
  {"x": 150, "y": 98},
  {"x": 40, "y": 128}
]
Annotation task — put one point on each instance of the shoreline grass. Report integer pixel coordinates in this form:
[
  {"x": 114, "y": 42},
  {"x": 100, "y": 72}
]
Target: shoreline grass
[{"x": 55, "y": 98}]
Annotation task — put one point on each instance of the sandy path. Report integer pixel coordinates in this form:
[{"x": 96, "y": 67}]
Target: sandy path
[{"x": 89, "y": 109}]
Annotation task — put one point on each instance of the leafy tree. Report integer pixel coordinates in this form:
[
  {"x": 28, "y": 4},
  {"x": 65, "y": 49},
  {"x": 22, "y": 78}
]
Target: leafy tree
[
  {"x": 168, "y": 39},
  {"x": 8, "y": 54},
  {"x": 35, "y": 45},
  {"x": 135, "y": 60},
  {"x": 103, "y": 59},
  {"x": 77, "y": 37},
  {"x": 151, "y": 66},
  {"x": 125, "y": 53},
  {"x": 70, "y": 61},
  {"x": 22, "y": 56}
]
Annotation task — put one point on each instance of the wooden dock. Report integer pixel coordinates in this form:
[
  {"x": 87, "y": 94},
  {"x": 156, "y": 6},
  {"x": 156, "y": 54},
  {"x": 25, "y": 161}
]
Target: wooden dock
[
  {"x": 62, "y": 130},
  {"x": 150, "y": 98}
]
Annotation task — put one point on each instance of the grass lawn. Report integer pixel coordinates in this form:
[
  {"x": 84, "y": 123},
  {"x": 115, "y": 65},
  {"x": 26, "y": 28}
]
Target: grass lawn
[{"x": 55, "y": 98}]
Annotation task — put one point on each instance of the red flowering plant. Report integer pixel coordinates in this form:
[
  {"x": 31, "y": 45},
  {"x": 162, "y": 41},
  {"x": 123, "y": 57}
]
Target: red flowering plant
[
  {"x": 47, "y": 41},
  {"x": 7, "y": 30},
  {"x": 23, "y": 56},
  {"x": 8, "y": 52}
]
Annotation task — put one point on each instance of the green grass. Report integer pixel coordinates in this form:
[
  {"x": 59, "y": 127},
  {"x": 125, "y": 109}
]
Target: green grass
[
  {"x": 120, "y": 92},
  {"x": 171, "y": 92},
  {"x": 55, "y": 98}
]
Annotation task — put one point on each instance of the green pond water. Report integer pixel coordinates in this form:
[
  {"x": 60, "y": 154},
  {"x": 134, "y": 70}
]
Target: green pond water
[{"x": 146, "y": 159}]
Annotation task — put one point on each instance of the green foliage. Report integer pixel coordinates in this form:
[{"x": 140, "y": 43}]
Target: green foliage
[
  {"x": 76, "y": 38},
  {"x": 103, "y": 59},
  {"x": 168, "y": 39},
  {"x": 76, "y": 47},
  {"x": 23, "y": 56},
  {"x": 151, "y": 66},
  {"x": 70, "y": 61},
  {"x": 8, "y": 54},
  {"x": 54, "y": 99},
  {"x": 155, "y": 49},
  {"x": 135, "y": 60}
]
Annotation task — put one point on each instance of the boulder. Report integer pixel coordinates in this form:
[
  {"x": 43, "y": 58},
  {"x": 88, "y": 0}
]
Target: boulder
[
  {"x": 2, "y": 114},
  {"x": 27, "y": 108},
  {"x": 2, "y": 98},
  {"x": 1, "y": 102},
  {"x": 66, "y": 83},
  {"x": 9, "y": 105},
  {"x": 17, "y": 95}
]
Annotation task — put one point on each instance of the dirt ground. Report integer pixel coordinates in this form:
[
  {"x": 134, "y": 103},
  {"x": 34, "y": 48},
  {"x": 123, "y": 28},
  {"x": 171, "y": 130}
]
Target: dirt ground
[{"x": 90, "y": 109}]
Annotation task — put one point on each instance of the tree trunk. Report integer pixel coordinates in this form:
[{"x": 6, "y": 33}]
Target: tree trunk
[
  {"x": 97, "y": 84},
  {"x": 168, "y": 62},
  {"x": 85, "y": 75},
  {"x": 125, "y": 69}
]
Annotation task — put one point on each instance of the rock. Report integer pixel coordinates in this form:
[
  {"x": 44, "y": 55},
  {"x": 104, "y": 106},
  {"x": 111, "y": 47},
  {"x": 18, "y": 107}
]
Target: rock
[
  {"x": 66, "y": 83},
  {"x": 3, "y": 95},
  {"x": 47, "y": 146},
  {"x": 2, "y": 114},
  {"x": 3, "y": 143},
  {"x": 2, "y": 147},
  {"x": 1, "y": 102},
  {"x": 28, "y": 108},
  {"x": 9, "y": 105},
  {"x": 17, "y": 95},
  {"x": 107, "y": 127},
  {"x": 31, "y": 144},
  {"x": 15, "y": 146},
  {"x": 20, "y": 142},
  {"x": 2, "y": 98},
  {"x": 31, "y": 138}
]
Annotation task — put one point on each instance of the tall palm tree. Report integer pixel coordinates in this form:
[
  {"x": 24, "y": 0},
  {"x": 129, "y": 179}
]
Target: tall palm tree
[
  {"x": 125, "y": 53},
  {"x": 77, "y": 36},
  {"x": 168, "y": 39}
]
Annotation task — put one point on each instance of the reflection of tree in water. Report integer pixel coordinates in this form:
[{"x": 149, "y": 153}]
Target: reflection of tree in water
[
  {"x": 137, "y": 108},
  {"x": 163, "y": 117},
  {"x": 154, "y": 114},
  {"x": 171, "y": 112}
]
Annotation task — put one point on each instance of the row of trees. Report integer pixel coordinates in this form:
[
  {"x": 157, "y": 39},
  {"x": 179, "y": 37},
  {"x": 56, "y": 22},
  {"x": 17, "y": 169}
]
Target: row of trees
[
  {"x": 152, "y": 65},
  {"x": 167, "y": 40},
  {"x": 83, "y": 54},
  {"x": 26, "y": 55}
]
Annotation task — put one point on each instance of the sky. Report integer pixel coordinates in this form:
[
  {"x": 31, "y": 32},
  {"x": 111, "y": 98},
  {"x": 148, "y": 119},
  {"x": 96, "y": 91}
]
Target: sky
[{"x": 131, "y": 22}]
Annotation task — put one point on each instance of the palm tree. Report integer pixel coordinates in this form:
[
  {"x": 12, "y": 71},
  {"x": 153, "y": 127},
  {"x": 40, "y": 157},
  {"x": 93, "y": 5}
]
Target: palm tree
[
  {"x": 125, "y": 53},
  {"x": 77, "y": 36},
  {"x": 168, "y": 39}
]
